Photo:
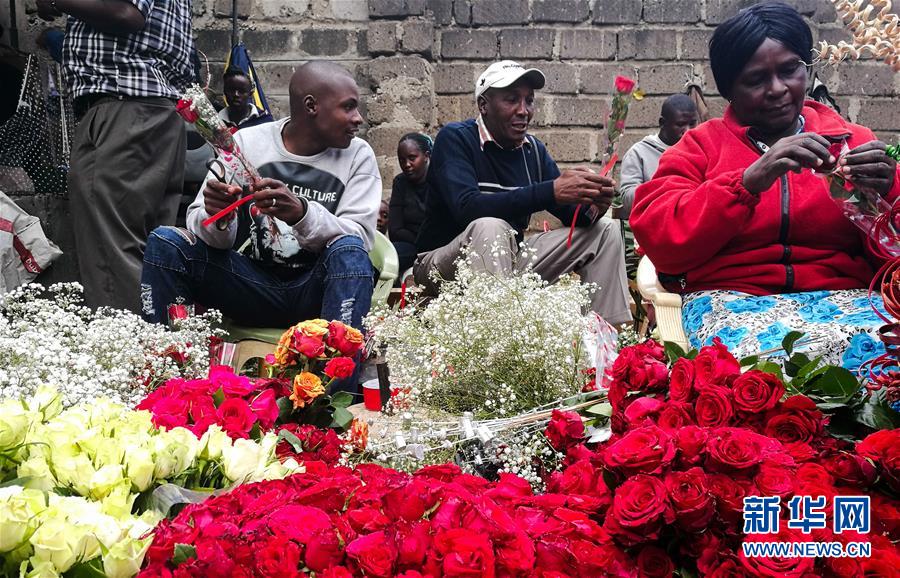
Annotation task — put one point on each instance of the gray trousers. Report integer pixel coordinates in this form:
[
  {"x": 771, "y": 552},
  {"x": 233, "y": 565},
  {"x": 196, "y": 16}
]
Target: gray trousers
[
  {"x": 597, "y": 255},
  {"x": 125, "y": 179}
]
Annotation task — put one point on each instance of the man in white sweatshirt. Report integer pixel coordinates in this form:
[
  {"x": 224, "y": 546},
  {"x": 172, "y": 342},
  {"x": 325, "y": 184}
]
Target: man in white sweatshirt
[
  {"x": 299, "y": 250},
  {"x": 678, "y": 115}
]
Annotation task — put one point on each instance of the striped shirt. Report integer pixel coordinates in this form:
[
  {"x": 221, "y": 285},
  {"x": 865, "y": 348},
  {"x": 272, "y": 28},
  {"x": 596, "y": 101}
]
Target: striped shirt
[{"x": 156, "y": 61}]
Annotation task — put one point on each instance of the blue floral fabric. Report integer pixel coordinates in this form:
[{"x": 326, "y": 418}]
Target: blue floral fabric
[{"x": 839, "y": 325}]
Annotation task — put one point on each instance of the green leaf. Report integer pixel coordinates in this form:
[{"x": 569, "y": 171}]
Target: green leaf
[
  {"x": 183, "y": 552},
  {"x": 749, "y": 360},
  {"x": 256, "y": 432},
  {"x": 835, "y": 382},
  {"x": 604, "y": 409},
  {"x": 342, "y": 399},
  {"x": 874, "y": 414},
  {"x": 290, "y": 438},
  {"x": 829, "y": 407},
  {"x": 219, "y": 397},
  {"x": 789, "y": 340},
  {"x": 341, "y": 419},
  {"x": 90, "y": 569},
  {"x": 22, "y": 481},
  {"x": 285, "y": 409},
  {"x": 771, "y": 367},
  {"x": 674, "y": 351}
]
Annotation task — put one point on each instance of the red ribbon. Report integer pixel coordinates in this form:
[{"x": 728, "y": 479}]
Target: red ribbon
[
  {"x": 608, "y": 167},
  {"x": 243, "y": 200}
]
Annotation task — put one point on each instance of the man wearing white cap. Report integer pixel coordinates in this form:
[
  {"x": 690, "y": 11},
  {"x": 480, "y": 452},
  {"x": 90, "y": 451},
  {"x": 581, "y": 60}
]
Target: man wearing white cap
[{"x": 488, "y": 175}]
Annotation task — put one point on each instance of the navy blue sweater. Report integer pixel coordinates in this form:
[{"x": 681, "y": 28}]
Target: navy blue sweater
[{"x": 467, "y": 183}]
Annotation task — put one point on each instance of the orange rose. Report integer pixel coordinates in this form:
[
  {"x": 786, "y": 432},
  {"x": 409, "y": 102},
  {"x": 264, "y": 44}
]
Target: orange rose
[
  {"x": 344, "y": 338},
  {"x": 308, "y": 337},
  {"x": 359, "y": 434},
  {"x": 283, "y": 354},
  {"x": 307, "y": 387}
]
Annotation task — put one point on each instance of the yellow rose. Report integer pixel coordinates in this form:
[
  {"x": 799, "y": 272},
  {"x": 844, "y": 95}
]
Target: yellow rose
[
  {"x": 43, "y": 569},
  {"x": 37, "y": 471},
  {"x": 17, "y": 510},
  {"x": 105, "y": 480},
  {"x": 359, "y": 434},
  {"x": 55, "y": 541},
  {"x": 307, "y": 387}
]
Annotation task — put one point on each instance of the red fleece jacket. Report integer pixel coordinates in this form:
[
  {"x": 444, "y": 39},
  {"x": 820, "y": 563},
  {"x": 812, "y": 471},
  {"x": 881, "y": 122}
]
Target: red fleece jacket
[{"x": 703, "y": 230}]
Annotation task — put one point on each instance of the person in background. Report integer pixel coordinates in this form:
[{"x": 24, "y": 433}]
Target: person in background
[
  {"x": 127, "y": 62},
  {"x": 237, "y": 89},
  {"x": 677, "y": 116},
  {"x": 408, "y": 195},
  {"x": 488, "y": 175},
  {"x": 739, "y": 219},
  {"x": 383, "y": 211}
]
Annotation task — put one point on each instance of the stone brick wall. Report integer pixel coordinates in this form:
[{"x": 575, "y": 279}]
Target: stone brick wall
[{"x": 416, "y": 60}]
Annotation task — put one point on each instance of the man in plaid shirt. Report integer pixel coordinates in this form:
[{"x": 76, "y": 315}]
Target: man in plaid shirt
[{"x": 127, "y": 61}]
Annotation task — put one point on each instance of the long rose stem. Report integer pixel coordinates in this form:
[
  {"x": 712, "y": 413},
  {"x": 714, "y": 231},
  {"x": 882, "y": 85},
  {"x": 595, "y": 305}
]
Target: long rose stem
[{"x": 608, "y": 167}]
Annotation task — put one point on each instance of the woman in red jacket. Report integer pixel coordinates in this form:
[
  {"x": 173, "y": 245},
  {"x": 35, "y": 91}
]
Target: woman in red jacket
[{"x": 739, "y": 219}]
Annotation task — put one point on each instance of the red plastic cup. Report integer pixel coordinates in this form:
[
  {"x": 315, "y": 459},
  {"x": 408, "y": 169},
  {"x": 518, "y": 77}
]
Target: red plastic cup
[{"x": 372, "y": 395}]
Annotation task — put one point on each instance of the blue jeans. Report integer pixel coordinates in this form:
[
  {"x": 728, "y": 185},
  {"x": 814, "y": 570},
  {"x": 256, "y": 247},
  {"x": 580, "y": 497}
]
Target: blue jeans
[{"x": 177, "y": 264}]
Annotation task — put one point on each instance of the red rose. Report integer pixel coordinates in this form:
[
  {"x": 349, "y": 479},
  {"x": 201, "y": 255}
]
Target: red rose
[
  {"x": 413, "y": 542},
  {"x": 223, "y": 377},
  {"x": 465, "y": 553},
  {"x": 675, "y": 415},
  {"x": 639, "y": 511},
  {"x": 843, "y": 568},
  {"x": 564, "y": 430},
  {"x": 183, "y": 107},
  {"x": 236, "y": 417},
  {"x": 681, "y": 380},
  {"x": 736, "y": 449},
  {"x": 554, "y": 557},
  {"x": 311, "y": 346},
  {"x": 641, "y": 368},
  {"x": 344, "y": 338},
  {"x": 646, "y": 450},
  {"x": 875, "y": 446},
  {"x": 850, "y": 470},
  {"x": 800, "y": 451},
  {"x": 756, "y": 391},
  {"x": 169, "y": 413},
  {"x": 411, "y": 501},
  {"x": 713, "y": 407},
  {"x": 583, "y": 486},
  {"x": 340, "y": 367},
  {"x": 624, "y": 85},
  {"x": 278, "y": 559},
  {"x": 643, "y": 411},
  {"x": 265, "y": 406},
  {"x": 690, "y": 498},
  {"x": 729, "y": 497},
  {"x": 796, "y": 420},
  {"x": 729, "y": 568},
  {"x": 775, "y": 481},
  {"x": 336, "y": 572},
  {"x": 777, "y": 567},
  {"x": 323, "y": 550},
  {"x": 691, "y": 443},
  {"x": 375, "y": 554},
  {"x": 887, "y": 521},
  {"x": 653, "y": 562},
  {"x": 714, "y": 365},
  {"x": 890, "y": 465}
]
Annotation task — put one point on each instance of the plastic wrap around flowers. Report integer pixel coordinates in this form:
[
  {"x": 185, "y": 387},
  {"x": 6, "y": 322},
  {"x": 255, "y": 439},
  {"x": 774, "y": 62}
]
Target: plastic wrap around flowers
[{"x": 196, "y": 109}]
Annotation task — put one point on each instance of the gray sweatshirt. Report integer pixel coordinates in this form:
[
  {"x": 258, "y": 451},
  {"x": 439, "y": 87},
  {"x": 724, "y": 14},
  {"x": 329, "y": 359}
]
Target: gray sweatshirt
[
  {"x": 342, "y": 187},
  {"x": 638, "y": 166}
]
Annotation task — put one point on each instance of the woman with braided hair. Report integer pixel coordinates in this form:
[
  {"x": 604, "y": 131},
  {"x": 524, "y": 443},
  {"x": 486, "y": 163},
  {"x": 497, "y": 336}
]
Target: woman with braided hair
[{"x": 407, "y": 209}]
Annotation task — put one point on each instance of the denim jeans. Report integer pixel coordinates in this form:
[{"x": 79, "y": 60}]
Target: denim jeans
[{"x": 177, "y": 264}]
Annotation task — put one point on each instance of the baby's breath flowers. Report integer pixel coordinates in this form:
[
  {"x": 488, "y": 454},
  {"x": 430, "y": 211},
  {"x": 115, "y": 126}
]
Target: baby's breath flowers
[
  {"x": 47, "y": 337},
  {"x": 491, "y": 345}
]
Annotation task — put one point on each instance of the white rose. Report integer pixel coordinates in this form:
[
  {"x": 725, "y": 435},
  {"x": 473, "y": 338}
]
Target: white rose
[
  {"x": 105, "y": 479},
  {"x": 41, "y": 569},
  {"x": 14, "y": 424},
  {"x": 54, "y": 541},
  {"x": 124, "y": 559},
  {"x": 46, "y": 401},
  {"x": 241, "y": 460},
  {"x": 16, "y": 514},
  {"x": 36, "y": 469},
  {"x": 75, "y": 471},
  {"x": 213, "y": 442},
  {"x": 139, "y": 468},
  {"x": 181, "y": 444}
]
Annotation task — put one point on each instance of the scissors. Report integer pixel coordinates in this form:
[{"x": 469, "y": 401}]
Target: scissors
[{"x": 217, "y": 168}]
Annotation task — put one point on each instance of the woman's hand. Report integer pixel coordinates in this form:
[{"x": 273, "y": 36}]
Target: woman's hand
[
  {"x": 870, "y": 168},
  {"x": 794, "y": 153}
]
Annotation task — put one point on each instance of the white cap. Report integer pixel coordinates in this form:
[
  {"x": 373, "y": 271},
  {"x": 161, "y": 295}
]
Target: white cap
[{"x": 505, "y": 73}]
